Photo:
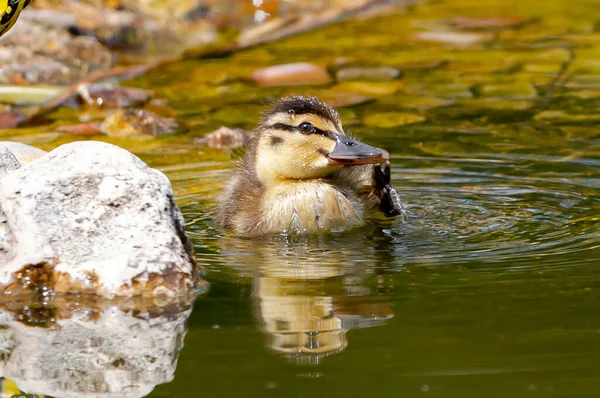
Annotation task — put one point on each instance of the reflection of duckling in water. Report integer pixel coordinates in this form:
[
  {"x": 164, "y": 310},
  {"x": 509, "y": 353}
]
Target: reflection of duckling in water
[
  {"x": 305, "y": 323},
  {"x": 301, "y": 174},
  {"x": 310, "y": 290}
]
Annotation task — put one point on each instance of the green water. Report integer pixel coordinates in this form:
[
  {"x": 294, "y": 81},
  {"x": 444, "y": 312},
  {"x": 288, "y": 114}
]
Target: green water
[{"x": 489, "y": 289}]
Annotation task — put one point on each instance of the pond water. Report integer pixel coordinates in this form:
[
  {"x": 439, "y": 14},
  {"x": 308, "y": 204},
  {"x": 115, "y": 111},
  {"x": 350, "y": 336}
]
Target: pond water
[{"x": 490, "y": 287}]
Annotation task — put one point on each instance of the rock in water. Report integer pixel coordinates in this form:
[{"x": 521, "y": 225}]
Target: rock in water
[
  {"x": 90, "y": 217},
  {"x": 8, "y": 161},
  {"x": 23, "y": 152},
  {"x": 94, "y": 352}
]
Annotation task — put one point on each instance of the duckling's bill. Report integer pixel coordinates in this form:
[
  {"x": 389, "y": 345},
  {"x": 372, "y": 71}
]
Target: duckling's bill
[{"x": 350, "y": 152}]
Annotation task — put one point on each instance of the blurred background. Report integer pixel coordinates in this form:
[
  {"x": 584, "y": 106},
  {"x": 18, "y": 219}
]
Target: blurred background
[{"x": 490, "y": 110}]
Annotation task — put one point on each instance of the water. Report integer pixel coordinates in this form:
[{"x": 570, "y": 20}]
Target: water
[{"x": 489, "y": 288}]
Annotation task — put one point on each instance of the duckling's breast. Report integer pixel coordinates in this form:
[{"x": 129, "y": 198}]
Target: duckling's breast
[{"x": 306, "y": 207}]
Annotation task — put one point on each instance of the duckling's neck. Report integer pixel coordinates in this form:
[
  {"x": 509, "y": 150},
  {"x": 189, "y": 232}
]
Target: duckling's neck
[
  {"x": 274, "y": 169},
  {"x": 308, "y": 206}
]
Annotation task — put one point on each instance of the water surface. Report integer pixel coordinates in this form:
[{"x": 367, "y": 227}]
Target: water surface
[{"x": 489, "y": 289}]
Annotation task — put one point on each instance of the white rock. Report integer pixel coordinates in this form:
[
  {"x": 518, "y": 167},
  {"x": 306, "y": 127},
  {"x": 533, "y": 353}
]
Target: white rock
[
  {"x": 114, "y": 354},
  {"x": 92, "y": 217},
  {"x": 8, "y": 161},
  {"x": 23, "y": 152}
]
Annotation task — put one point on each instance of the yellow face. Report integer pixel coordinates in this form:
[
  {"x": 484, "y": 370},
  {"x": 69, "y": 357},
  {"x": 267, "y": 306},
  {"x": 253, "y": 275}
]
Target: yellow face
[
  {"x": 301, "y": 138},
  {"x": 290, "y": 149}
]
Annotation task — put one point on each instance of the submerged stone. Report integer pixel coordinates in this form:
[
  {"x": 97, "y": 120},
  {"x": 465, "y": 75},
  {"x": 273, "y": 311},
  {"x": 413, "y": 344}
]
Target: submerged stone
[
  {"x": 370, "y": 88},
  {"x": 89, "y": 128},
  {"x": 340, "y": 99},
  {"x": 92, "y": 218},
  {"x": 137, "y": 123},
  {"x": 392, "y": 119},
  {"x": 110, "y": 96},
  {"x": 225, "y": 138},
  {"x": 453, "y": 90},
  {"x": 380, "y": 73},
  {"x": 489, "y": 23},
  {"x": 518, "y": 90},
  {"x": 418, "y": 102},
  {"x": 38, "y": 54},
  {"x": 456, "y": 38},
  {"x": 298, "y": 74},
  {"x": 559, "y": 116}
]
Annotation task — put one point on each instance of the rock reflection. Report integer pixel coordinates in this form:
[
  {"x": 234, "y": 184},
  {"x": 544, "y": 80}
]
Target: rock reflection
[
  {"x": 106, "y": 350},
  {"x": 310, "y": 292}
]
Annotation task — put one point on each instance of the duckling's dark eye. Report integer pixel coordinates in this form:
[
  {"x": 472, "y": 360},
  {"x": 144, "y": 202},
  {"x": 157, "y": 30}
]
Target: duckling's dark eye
[{"x": 306, "y": 128}]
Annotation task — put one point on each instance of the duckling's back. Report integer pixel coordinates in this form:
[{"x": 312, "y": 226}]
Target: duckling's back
[{"x": 238, "y": 206}]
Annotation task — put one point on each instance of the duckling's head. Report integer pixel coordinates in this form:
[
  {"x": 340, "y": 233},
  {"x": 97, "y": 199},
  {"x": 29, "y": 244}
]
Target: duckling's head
[{"x": 302, "y": 138}]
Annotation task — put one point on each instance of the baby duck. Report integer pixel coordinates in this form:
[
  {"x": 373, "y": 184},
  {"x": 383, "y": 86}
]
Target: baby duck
[{"x": 302, "y": 174}]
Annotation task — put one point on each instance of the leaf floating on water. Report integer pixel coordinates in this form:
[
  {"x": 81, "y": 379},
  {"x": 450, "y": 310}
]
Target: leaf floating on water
[
  {"x": 392, "y": 119},
  {"x": 456, "y": 38},
  {"x": 225, "y": 138},
  {"x": 381, "y": 73},
  {"x": 298, "y": 74}
]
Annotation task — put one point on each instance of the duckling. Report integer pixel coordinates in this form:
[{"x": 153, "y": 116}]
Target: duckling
[{"x": 302, "y": 174}]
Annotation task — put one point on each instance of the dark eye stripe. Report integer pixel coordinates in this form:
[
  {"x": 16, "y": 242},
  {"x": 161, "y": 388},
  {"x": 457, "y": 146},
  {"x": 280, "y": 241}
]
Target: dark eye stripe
[{"x": 287, "y": 127}]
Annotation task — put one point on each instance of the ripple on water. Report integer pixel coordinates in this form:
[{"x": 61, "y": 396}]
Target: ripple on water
[{"x": 504, "y": 213}]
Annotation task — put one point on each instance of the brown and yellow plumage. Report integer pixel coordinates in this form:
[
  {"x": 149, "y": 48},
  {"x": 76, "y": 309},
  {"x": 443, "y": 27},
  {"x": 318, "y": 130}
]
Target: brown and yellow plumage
[{"x": 301, "y": 174}]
